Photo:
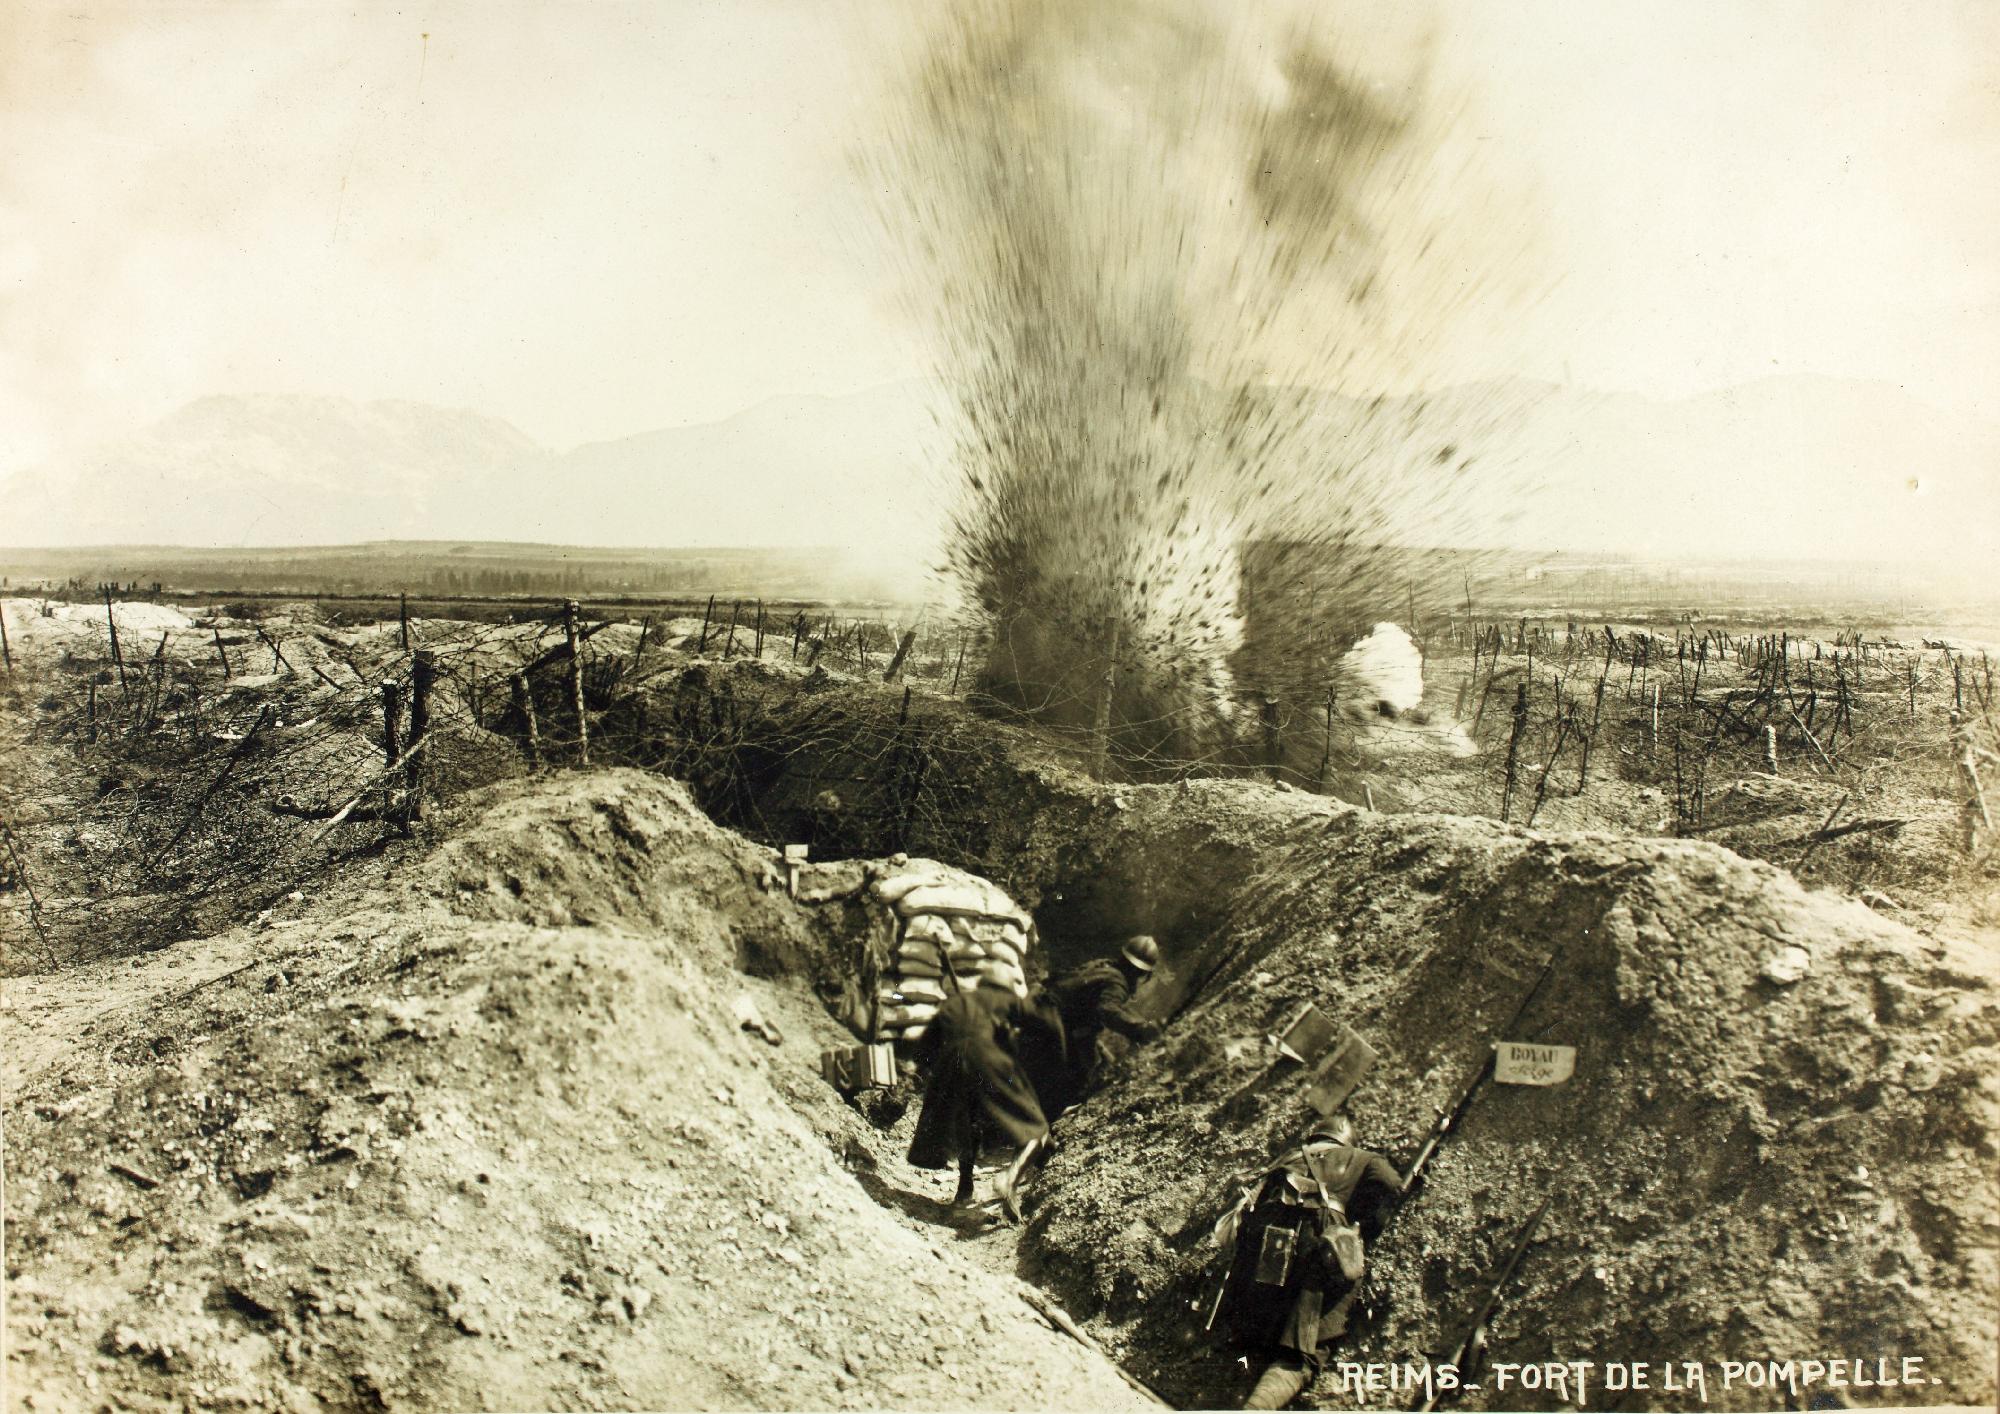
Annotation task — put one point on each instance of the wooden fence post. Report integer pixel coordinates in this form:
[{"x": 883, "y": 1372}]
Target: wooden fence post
[
  {"x": 524, "y": 703},
  {"x": 1492, "y": 667},
  {"x": 1590, "y": 737},
  {"x": 955, "y": 667},
  {"x": 392, "y": 718},
  {"x": 423, "y": 674},
  {"x": 1514, "y": 747},
  {"x": 1326, "y": 746},
  {"x": 403, "y": 612},
  {"x": 6, "y": 650},
  {"x": 902, "y": 652},
  {"x": 701, "y": 646},
  {"x": 569, "y": 614},
  {"x": 159, "y": 676},
  {"x": 1107, "y": 689},
  {"x": 1770, "y": 748},
  {"x": 760, "y": 631},
  {"x": 220, "y": 651},
  {"x": 117, "y": 656},
  {"x": 1974, "y": 811},
  {"x": 729, "y": 644},
  {"x": 639, "y": 652},
  {"x": 1565, "y": 719}
]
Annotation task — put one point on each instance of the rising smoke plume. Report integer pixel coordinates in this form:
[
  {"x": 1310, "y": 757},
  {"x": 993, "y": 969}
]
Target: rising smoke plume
[{"x": 1161, "y": 248}]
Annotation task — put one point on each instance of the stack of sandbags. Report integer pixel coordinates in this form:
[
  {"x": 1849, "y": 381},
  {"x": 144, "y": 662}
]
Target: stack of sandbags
[{"x": 953, "y": 929}]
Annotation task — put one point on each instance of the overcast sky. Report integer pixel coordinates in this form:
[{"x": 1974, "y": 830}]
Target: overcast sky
[{"x": 594, "y": 219}]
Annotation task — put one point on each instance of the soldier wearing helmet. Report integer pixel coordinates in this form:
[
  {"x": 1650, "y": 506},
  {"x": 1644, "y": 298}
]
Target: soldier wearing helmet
[
  {"x": 1095, "y": 999},
  {"x": 1287, "y": 1267}
]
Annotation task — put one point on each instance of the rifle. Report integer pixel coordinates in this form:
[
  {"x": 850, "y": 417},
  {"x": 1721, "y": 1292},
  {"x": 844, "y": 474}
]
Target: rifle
[
  {"x": 1228, "y": 1268},
  {"x": 1475, "y": 1335},
  {"x": 1448, "y": 1119}
]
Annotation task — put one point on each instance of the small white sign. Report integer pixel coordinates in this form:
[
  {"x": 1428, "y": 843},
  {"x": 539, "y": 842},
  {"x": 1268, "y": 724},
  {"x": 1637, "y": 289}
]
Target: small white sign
[
  {"x": 796, "y": 853},
  {"x": 1520, "y": 1063}
]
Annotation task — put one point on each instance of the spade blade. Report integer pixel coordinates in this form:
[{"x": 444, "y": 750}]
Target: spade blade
[{"x": 1340, "y": 1072}]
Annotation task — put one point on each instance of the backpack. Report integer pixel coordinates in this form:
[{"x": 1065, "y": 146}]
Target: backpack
[{"x": 1341, "y": 1235}]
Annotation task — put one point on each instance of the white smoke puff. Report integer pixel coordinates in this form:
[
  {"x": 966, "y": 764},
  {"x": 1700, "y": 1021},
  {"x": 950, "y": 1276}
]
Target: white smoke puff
[{"x": 1385, "y": 670}]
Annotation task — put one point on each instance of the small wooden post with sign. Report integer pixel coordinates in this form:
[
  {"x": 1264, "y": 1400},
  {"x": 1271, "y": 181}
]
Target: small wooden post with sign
[{"x": 1524, "y": 1063}]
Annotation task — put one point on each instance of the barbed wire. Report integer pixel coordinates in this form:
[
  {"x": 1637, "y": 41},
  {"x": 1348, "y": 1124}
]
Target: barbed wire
[{"x": 196, "y": 790}]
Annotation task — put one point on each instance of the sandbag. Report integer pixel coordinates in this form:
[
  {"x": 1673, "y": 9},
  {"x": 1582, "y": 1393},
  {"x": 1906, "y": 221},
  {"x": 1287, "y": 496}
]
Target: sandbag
[
  {"x": 929, "y": 968},
  {"x": 970, "y": 898},
  {"x": 913, "y": 945},
  {"x": 964, "y": 895},
  {"x": 920, "y": 989},
  {"x": 1004, "y": 951},
  {"x": 919, "y": 872},
  {"x": 928, "y": 928},
  {"x": 990, "y": 932}
]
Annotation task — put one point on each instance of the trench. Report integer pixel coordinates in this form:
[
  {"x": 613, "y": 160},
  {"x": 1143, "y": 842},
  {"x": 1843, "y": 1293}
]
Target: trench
[{"x": 1422, "y": 932}]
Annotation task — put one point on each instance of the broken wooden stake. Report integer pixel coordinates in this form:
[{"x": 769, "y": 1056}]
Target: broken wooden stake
[
  {"x": 524, "y": 704},
  {"x": 423, "y": 674},
  {"x": 117, "y": 657},
  {"x": 392, "y": 717},
  {"x": 902, "y": 652},
  {"x": 576, "y": 704}
]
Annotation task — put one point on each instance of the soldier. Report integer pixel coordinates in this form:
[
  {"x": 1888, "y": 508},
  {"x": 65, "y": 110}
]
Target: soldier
[
  {"x": 977, "y": 1088},
  {"x": 1288, "y": 1235},
  {"x": 1096, "y": 998}
]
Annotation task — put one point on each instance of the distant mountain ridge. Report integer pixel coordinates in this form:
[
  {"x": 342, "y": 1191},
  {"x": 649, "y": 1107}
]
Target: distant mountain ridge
[{"x": 1797, "y": 466}]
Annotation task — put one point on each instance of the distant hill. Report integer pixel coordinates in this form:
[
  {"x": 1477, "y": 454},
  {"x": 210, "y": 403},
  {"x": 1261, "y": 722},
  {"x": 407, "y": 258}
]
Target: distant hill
[
  {"x": 285, "y": 470},
  {"x": 1797, "y": 467}
]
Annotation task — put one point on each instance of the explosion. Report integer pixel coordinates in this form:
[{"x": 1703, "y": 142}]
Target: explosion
[{"x": 1155, "y": 246}]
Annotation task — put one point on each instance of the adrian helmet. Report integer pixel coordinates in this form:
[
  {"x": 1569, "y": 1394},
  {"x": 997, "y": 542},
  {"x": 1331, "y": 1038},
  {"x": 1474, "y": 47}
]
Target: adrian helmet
[
  {"x": 1142, "y": 952},
  {"x": 1338, "y": 1128}
]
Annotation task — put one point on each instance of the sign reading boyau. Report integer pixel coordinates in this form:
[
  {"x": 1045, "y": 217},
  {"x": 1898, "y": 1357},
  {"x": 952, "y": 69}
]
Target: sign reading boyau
[{"x": 1520, "y": 1063}]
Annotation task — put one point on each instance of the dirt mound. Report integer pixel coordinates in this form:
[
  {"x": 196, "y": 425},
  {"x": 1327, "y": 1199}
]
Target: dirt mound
[
  {"x": 490, "y": 1135},
  {"x": 1745, "y": 1166}
]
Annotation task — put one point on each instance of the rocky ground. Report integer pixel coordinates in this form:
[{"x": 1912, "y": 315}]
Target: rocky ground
[
  {"x": 493, "y": 1136},
  {"x": 469, "y": 1115}
]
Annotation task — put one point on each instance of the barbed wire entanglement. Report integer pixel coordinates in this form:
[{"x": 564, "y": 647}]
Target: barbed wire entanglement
[{"x": 214, "y": 760}]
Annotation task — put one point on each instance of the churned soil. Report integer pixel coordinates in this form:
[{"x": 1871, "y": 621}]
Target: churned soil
[
  {"x": 1779, "y": 1140},
  {"x": 526, "y": 1111},
  {"x": 493, "y": 1134}
]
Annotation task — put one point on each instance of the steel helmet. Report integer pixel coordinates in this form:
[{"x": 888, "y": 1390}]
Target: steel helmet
[
  {"x": 1338, "y": 1128},
  {"x": 1141, "y": 952}
]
